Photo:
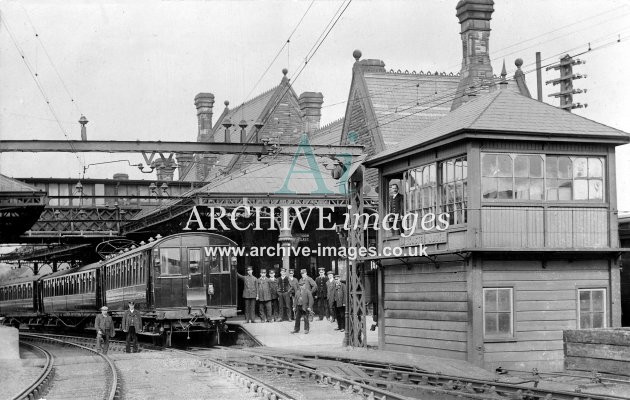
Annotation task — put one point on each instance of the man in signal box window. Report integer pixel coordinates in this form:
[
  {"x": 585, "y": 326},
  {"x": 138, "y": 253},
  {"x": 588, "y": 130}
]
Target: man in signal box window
[{"x": 395, "y": 205}]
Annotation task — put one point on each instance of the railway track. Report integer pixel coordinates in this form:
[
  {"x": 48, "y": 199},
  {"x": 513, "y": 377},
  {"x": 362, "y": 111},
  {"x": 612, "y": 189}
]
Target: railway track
[
  {"x": 72, "y": 371},
  {"x": 40, "y": 383},
  {"x": 416, "y": 383}
]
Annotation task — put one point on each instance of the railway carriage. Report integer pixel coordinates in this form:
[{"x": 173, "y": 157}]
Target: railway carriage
[{"x": 177, "y": 283}]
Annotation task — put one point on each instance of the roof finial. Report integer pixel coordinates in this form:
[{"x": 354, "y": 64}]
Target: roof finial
[
  {"x": 227, "y": 103},
  {"x": 356, "y": 54},
  {"x": 285, "y": 71},
  {"x": 503, "y": 83}
]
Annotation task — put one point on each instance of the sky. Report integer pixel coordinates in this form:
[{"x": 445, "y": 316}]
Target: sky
[{"x": 134, "y": 68}]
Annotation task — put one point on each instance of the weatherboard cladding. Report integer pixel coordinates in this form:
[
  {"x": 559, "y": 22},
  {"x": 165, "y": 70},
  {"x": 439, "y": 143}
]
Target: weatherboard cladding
[{"x": 507, "y": 112}]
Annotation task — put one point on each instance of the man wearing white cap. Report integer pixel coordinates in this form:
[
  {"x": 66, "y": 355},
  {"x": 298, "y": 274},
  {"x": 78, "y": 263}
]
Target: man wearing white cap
[{"x": 104, "y": 326}]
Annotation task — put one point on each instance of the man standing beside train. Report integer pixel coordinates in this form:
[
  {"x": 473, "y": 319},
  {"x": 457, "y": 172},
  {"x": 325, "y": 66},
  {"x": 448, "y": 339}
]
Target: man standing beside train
[
  {"x": 330, "y": 293},
  {"x": 303, "y": 307},
  {"x": 131, "y": 325},
  {"x": 294, "y": 289},
  {"x": 340, "y": 303},
  {"x": 273, "y": 289},
  {"x": 104, "y": 326},
  {"x": 321, "y": 295},
  {"x": 264, "y": 297},
  {"x": 284, "y": 296},
  {"x": 250, "y": 293}
]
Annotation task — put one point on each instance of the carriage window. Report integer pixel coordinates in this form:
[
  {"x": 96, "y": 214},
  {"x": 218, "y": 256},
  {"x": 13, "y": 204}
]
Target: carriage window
[
  {"x": 170, "y": 261},
  {"x": 194, "y": 260}
]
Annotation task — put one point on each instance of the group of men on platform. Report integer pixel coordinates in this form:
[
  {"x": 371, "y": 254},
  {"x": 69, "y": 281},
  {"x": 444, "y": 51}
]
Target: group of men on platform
[{"x": 285, "y": 298}]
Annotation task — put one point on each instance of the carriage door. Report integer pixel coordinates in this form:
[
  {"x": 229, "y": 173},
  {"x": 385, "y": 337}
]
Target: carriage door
[
  {"x": 196, "y": 291},
  {"x": 220, "y": 289}
]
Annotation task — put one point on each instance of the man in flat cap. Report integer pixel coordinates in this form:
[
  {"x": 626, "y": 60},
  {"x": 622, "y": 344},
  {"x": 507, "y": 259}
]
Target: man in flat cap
[
  {"x": 131, "y": 325},
  {"x": 321, "y": 295},
  {"x": 284, "y": 296},
  {"x": 308, "y": 281},
  {"x": 330, "y": 293},
  {"x": 303, "y": 307},
  {"x": 250, "y": 293},
  {"x": 104, "y": 326},
  {"x": 273, "y": 289},
  {"x": 340, "y": 303},
  {"x": 264, "y": 296},
  {"x": 294, "y": 289}
]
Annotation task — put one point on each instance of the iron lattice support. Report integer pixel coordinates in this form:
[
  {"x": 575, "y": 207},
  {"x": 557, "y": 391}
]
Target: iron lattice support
[{"x": 356, "y": 332}]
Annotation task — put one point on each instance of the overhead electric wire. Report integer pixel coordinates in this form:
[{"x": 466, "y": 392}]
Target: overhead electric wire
[
  {"x": 63, "y": 83},
  {"x": 39, "y": 85}
]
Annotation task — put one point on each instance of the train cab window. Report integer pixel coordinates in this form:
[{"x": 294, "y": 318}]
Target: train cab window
[
  {"x": 170, "y": 261},
  {"x": 194, "y": 261}
]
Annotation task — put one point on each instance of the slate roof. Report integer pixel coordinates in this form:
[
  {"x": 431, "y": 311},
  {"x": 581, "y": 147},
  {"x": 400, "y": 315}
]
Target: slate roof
[
  {"x": 505, "y": 111},
  {"x": 329, "y": 134},
  {"x": 269, "y": 178},
  {"x": 397, "y": 99},
  {"x": 12, "y": 185}
]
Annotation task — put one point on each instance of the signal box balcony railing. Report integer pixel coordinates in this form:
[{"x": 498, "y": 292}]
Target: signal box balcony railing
[{"x": 544, "y": 227}]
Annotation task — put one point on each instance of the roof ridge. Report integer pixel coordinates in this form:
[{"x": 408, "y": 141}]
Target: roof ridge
[
  {"x": 266, "y": 92},
  {"x": 329, "y": 124},
  {"x": 413, "y": 72}
]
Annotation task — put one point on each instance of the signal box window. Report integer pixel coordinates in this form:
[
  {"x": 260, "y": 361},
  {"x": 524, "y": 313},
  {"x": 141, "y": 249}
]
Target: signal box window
[
  {"x": 592, "y": 308},
  {"x": 498, "y": 314},
  {"x": 170, "y": 261}
]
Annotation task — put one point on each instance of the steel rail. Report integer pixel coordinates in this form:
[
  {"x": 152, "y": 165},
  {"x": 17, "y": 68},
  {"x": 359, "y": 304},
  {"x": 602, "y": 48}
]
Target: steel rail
[
  {"x": 42, "y": 380},
  {"x": 339, "y": 382},
  {"x": 252, "y": 383},
  {"x": 455, "y": 384},
  {"x": 109, "y": 395}
]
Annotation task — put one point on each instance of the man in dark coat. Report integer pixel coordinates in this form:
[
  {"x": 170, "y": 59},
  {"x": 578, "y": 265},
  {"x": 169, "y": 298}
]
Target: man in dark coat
[
  {"x": 250, "y": 293},
  {"x": 104, "y": 326},
  {"x": 395, "y": 206},
  {"x": 284, "y": 296},
  {"x": 321, "y": 295},
  {"x": 330, "y": 294},
  {"x": 132, "y": 324},
  {"x": 308, "y": 281},
  {"x": 340, "y": 303},
  {"x": 294, "y": 289},
  {"x": 264, "y": 297},
  {"x": 303, "y": 307},
  {"x": 273, "y": 288}
]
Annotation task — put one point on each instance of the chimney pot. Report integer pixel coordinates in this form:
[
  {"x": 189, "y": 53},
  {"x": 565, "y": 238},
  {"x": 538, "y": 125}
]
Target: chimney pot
[
  {"x": 204, "y": 103},
  {"x": 311, "y": 105}
]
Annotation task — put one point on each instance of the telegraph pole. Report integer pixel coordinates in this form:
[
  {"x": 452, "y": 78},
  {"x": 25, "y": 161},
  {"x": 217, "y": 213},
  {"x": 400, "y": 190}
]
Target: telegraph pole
[{"x": 566, "y": 82}]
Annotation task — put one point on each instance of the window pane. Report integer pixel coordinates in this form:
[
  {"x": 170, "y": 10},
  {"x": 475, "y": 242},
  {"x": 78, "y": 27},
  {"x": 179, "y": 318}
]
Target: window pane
[
  {"x": 505, "y": 165},
  {"x": 585, "y": 301},
  {"x": 489, "y": 165},
  {"x": 521, "y": 166},
  {"x": 597, "y": 297},
  {"x": 598, "y": 320},
  {"x": 490, "y": 302},
  {"x": 450, "y": 171},
  {"x": 489, "y": 188},
  {"x": 432, "y": 173},
  {"x": 505, "y": 188},
  {"x": 504, "y": 300},
  {"x": 194, "y": 256},
  {"x": 579, "y": 168},
  {"x": 580, "y": 189},
  {"x": 491, "y": 324},
  {"x": 170, "y": 261},
  {"x": 425, "y": 175},
  {"x": 565, "y": 189},
  {"x": 564, "y": 167},
  {"x": 595, "y": 189},
  {"x": 594, "y": 168},
  {"x": 535, "y": 166},
  {"x": 551, "y": 167},
  {"x": 504, "y": 323},
  {"x": 585, "y": 321},
  {"x": 521, "y": 190},
  {"x": 536, "y": 189},
  {"x": 458, "y": 169}
]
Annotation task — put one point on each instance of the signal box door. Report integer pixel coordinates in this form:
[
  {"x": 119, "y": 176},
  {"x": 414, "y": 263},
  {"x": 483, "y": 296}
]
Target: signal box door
[{"x": 196, "y": 289}]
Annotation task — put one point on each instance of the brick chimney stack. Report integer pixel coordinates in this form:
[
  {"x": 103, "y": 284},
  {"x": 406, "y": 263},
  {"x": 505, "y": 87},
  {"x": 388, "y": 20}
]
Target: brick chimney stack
[
  {"x": 204, "y": 103},
  {"x": 474, "y": 17},
  {"x": 311, "y": 105}
]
